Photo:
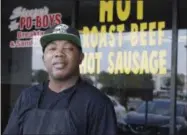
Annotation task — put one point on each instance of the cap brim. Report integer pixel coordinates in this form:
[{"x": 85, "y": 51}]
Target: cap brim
[{"x": 46, "y": 39}]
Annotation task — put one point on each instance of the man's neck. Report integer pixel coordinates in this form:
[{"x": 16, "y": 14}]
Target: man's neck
[{"x": 59, "y": 85}]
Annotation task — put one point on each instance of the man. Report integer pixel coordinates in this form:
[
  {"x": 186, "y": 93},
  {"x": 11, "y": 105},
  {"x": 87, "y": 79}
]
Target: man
[{"x": 65, "y": 104}]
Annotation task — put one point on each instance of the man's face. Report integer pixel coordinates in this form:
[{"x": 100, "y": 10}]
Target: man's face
[{"x": 62, "y": 59}]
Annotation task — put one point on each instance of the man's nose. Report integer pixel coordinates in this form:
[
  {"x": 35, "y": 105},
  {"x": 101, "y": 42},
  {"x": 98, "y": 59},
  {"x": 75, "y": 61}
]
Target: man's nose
[{"x": 59, "y": 52}]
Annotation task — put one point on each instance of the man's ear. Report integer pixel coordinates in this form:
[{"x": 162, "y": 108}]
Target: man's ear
[
  {"x": 43, "y": 59},
  {"x": 44, "y": 62},
  {"x": 81, "y": 58}
]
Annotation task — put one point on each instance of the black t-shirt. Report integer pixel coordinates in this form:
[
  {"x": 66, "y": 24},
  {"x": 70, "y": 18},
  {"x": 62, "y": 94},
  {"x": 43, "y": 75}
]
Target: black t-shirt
[
  {"x": 92, "y": 111},
  {"x": 53, "y": 100}
]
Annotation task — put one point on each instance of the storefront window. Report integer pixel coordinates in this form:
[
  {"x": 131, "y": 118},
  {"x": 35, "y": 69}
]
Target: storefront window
[
  {"x": 128, "y": 54},
  {"x": 23, "y": 23},
  {"x": 127, "y": 46}
]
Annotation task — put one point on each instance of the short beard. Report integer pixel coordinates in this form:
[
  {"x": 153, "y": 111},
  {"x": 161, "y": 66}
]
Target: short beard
[
  {"x": 64, "y": 78},
  {"x": 60, "y": 78}
]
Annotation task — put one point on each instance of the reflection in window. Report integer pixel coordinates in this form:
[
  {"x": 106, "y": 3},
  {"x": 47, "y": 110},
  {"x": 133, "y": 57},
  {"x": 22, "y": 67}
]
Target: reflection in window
[{"x": 161, "y": 107}]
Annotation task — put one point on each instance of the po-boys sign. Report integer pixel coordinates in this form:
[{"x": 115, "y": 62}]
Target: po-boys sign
[{"x": 30, "y": 22}]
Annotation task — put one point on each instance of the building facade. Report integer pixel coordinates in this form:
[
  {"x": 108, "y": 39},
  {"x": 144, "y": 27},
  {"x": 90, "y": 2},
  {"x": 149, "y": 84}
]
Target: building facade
[{"x": 127, "y": 44}]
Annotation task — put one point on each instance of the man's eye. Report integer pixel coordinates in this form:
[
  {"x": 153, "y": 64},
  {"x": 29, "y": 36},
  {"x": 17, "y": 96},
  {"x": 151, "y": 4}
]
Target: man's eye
[
  {"x": 68, "y": 48},
  {"x": 52, "y": 48}
]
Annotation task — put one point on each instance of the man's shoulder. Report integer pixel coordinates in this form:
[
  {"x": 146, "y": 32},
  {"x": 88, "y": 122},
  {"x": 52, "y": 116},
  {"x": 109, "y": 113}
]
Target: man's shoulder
[
  {"x": 94, "y": 95},
  {"x": 32, "y": 89},
  {"x": 31, "y": 92}
]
